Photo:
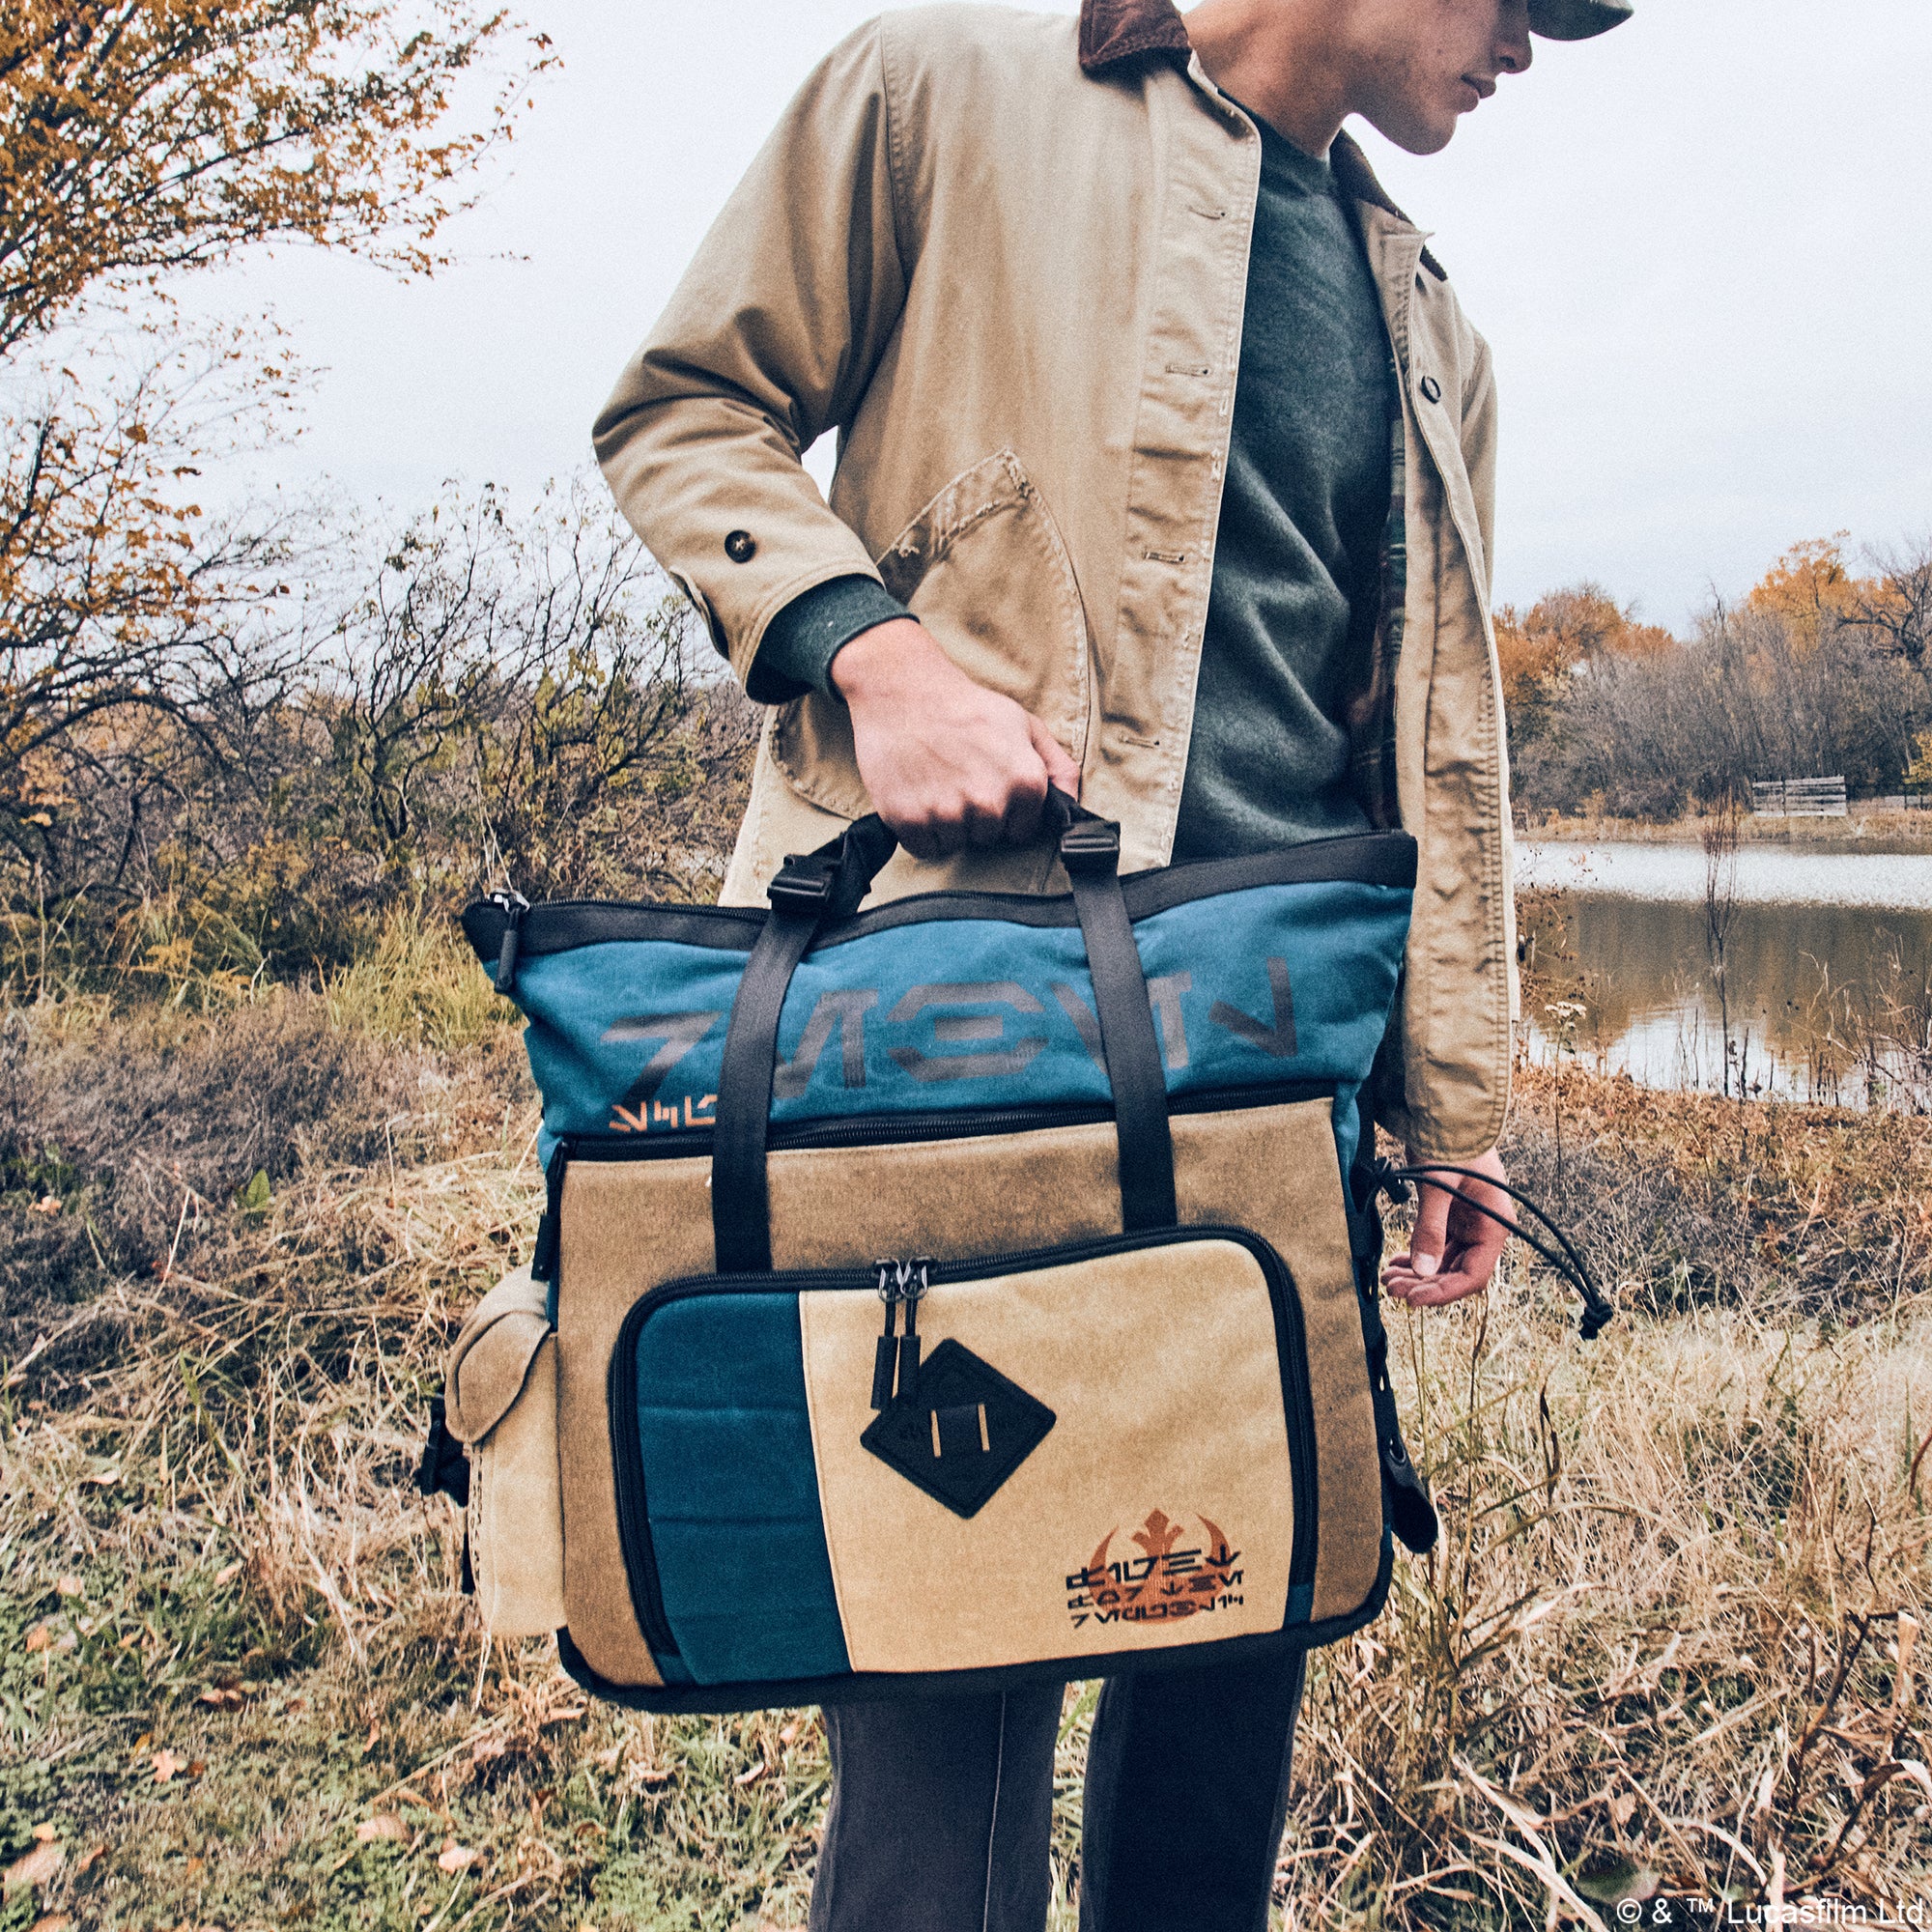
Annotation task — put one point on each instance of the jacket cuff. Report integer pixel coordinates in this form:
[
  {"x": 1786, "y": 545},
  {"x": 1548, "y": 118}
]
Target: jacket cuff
[{"x": 795, "y": 655}]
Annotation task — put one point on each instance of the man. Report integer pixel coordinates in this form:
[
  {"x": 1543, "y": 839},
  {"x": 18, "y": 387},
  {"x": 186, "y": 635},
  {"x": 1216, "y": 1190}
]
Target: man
[{"x": 1166, "y": 476}]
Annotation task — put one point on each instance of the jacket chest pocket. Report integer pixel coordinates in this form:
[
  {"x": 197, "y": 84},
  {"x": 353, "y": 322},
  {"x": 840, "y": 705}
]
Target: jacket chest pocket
[{"x": 984, "y": 569}]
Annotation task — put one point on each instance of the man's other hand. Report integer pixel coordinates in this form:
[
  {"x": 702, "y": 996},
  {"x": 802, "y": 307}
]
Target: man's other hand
[
  {"x": 948, "y": 764},
  {"x": 1454, "y": 1250}
]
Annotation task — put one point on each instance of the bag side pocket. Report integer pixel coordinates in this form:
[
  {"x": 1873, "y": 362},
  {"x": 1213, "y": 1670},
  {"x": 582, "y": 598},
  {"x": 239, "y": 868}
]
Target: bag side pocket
[{"x": 502, "y": 1403}]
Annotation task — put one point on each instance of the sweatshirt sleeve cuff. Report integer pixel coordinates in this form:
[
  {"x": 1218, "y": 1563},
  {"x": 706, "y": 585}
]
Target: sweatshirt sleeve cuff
[{"x": 795, "y": 655}]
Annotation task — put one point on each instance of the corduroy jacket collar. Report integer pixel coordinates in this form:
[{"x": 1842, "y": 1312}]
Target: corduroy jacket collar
[{"x": 1114, "y": 31}]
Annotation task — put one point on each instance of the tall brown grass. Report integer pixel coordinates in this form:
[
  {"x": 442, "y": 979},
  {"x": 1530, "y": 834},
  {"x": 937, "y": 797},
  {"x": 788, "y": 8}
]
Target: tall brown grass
[{"x": 1665, "y": 1646}]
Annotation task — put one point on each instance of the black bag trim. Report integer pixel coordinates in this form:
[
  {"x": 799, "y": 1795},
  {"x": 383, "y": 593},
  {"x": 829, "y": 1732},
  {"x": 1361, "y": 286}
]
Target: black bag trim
[
  {"x": 1408, "y": 1509},
  {"x": 445, "y": 1465},
  {"x": 741, "y": 1218},
  {"x": 959, "y": 1124},
  {"x": 878, "y": 1686},
  {"x": 1368, "y": 858},
  {"x": 627, "y": 1450}
]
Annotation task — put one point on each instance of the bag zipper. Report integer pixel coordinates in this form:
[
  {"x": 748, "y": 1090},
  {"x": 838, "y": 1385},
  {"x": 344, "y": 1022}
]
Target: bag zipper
[
  {"x": 633, "y": 1504},
  {"x": 515, "y": 908},
  {"x": 895, "y": 1358}
]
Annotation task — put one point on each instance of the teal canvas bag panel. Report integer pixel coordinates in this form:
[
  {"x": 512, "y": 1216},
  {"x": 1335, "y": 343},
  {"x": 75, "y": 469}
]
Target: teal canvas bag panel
[{"x": 1259, "y": 972}]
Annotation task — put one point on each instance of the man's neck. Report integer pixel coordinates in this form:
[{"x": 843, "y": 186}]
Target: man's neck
[{"x": 1282, "y": 59}]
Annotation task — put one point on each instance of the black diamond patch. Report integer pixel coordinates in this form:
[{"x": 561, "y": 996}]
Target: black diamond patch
[{"x": 963, "y": 1432}]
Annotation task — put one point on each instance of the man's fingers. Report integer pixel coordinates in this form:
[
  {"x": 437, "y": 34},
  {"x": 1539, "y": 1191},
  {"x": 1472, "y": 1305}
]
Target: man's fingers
[
  {"x": 1456, "y": 1245},
  {"x": 921, "y": 842},
  {"x": 986, "y": 828},
  {"x": 1439, "y": 1292},
  {"x": 1485, "y": 1238},
  {"x": 1431, "y": 1227},
  {"x": 1061, "y": 770},
  {"x": 1023, "y": 807}
]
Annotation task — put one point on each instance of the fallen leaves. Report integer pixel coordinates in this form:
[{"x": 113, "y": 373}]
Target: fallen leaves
[
  {"x": 385, "y": 1827},
  {"x": 168, "y": 1767},
  {"x": 67, "y": 1586},
  {"x": 223, "y": 1698},
  {"x": 51, "y": 1921},
  {"x": 45, "y": 1635},
  {"x": 33, "y": 1869},
  {"x": 454, "y": 1857}
]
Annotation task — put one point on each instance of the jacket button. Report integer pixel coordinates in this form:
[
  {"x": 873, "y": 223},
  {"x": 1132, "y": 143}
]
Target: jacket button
[
  {"x": 741, "y": 546},
  {"x": 1432, "y": 389}
]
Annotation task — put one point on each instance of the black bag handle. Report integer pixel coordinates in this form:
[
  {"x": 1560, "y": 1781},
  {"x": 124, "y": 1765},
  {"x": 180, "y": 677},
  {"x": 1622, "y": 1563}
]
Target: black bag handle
[{"x": 829, "y": 884}]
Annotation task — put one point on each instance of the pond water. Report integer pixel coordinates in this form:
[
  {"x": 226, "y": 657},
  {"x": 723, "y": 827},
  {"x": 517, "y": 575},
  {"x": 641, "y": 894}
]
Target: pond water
[{"x": 1826, "y": 991}]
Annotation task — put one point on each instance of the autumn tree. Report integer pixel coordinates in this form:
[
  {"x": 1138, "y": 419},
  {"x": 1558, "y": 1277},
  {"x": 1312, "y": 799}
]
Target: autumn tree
[
  {"x": 1820, "y": 669},
  {"x": 1895, "y": 605},
  {"x": 1570, "y": 633},
  {"x": 141, "y": 140},
  {"x": 1568, "y": 629},
  {"x": 1811, "y": 586}
]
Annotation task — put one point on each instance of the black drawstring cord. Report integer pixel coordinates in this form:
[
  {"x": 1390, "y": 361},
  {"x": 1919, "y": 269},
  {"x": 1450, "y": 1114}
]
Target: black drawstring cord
[{"x": 1598, "y": 1313}]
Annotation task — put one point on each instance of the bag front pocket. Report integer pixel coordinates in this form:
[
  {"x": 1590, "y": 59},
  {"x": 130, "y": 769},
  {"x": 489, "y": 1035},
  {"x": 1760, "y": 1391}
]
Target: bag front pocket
[
  {"x": 502, "y": 1403},
  {"x": 1086, "y": 1452}
]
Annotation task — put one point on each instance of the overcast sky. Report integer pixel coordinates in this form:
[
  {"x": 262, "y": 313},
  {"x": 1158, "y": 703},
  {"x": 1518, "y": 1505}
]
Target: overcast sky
[{"x": 1698, "y": 246}]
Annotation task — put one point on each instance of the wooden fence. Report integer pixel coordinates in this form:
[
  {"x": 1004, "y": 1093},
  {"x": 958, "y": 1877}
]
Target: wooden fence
[{"x": 1799, "y": 798}]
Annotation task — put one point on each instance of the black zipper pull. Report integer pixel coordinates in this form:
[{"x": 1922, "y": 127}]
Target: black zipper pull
[
  {"x": 514, "y": 906},
  {"x": 912, "y": 1282},
  {"x": 886, "y": 1356}
]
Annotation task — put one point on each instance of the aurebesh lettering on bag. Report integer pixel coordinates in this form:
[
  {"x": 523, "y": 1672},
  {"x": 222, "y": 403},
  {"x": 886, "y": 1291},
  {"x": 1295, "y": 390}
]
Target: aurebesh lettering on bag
[
  {"x": 958, "y": 1014},
  {"x": 1180, "y": 1573}
]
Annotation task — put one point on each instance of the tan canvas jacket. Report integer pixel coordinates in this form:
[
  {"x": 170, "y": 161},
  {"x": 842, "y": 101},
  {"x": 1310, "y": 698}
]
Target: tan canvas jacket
[{"x": 1005, "y": 255}]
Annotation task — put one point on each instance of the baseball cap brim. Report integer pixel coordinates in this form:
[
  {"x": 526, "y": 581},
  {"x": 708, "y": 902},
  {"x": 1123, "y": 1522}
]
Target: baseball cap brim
[{"x": 1577, "y": 20}]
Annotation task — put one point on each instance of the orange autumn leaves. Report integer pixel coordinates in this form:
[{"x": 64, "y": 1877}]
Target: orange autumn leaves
[
  {"x": 140, "y": 140},
  {"x": 140, "y": 137},
  {"x": 1813, "y": 587},
  {"x": 1566, "y": 630}
]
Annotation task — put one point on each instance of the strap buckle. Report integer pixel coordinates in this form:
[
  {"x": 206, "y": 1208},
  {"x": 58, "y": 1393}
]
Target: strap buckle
[
  {"x": 803, "y": 884},
  {"x": 1092, "y": 845}
]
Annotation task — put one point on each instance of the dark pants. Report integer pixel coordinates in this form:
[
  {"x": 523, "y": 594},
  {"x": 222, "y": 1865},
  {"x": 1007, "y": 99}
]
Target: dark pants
[{"x": 942, "y": 1808}]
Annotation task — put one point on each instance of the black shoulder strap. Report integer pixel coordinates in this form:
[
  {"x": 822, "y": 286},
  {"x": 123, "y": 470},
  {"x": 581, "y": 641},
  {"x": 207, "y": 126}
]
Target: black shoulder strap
[
  {"x": 1090, "y": 851},
  {"x": 826, "y": 884}
]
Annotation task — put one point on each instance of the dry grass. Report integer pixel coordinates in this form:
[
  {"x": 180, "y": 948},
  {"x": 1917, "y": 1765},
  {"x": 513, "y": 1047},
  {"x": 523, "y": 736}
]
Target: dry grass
[
  {"x": 1866, "y": 821},
  {"x": 1660, "y": 1644}
]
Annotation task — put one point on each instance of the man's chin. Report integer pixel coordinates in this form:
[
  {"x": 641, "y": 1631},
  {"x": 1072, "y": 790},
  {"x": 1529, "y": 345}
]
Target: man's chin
[{"x": 1418, "y": 137}]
